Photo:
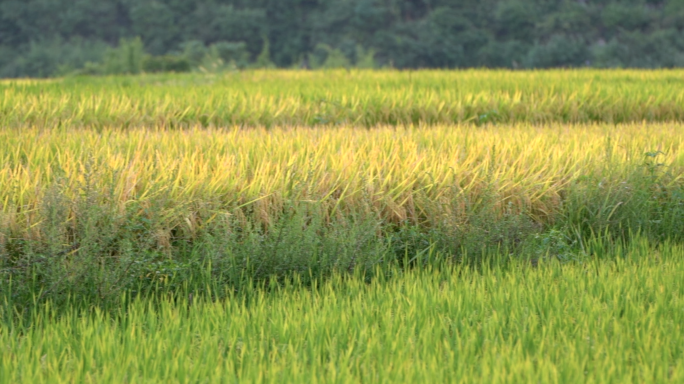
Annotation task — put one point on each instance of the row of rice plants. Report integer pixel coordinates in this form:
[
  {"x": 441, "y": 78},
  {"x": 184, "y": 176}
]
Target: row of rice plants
[
  {"x": 96, "y": 212},
  {"x": 360, "y": 98},
  {"x": 402, "y": 174},
  {"x": 599, "y": 322}
]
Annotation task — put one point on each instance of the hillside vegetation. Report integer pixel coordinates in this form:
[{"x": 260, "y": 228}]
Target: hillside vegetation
[{"x": 42, "y": 38}]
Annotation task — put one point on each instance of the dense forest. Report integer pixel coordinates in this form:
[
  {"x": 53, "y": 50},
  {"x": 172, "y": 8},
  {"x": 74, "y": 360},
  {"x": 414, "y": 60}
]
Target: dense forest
[{"x": 57, "y": 37}]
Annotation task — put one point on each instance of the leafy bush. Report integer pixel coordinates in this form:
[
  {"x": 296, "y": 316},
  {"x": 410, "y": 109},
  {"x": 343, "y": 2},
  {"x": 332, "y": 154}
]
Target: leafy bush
[
  {"x": 127, "y": 58},
  {"x": 231, "y": 52},
  {"x": 166, "y": 63},
  {"x": 325, "y": 56}
]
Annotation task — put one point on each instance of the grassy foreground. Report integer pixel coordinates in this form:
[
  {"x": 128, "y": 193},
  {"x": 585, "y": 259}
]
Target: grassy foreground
[
  {"x": 360, "y": 98},
  {"x": 616, "y": 321}
]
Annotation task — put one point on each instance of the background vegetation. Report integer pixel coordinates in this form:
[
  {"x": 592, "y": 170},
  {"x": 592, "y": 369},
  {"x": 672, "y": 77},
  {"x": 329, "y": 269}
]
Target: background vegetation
[{"x": 41, "y": 38}]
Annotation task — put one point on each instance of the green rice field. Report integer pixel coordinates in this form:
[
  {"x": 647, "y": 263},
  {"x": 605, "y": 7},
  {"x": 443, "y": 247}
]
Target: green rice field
[
  {"x": 596, "y": 322},
  {"x": 343, "y": 226}
]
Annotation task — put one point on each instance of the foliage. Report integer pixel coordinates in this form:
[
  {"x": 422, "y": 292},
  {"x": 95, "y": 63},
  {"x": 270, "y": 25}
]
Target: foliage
[
  {"x": 50, "y": 57},
  {"x": 401, "y": 33},
  {"x": 166, "y": 63},
  {"x": 264, "y": 58},
  {"x": 126, "y": 59},
  {"x": 325, "y": 57},
  {"x": 235, "y": 53}
]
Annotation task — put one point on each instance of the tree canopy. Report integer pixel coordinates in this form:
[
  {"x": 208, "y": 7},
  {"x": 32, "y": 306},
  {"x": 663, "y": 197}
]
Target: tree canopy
[{"x": 51, "y": 37}]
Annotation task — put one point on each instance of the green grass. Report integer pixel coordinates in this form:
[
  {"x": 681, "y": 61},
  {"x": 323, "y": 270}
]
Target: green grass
[{"x": 613, "y": 321}]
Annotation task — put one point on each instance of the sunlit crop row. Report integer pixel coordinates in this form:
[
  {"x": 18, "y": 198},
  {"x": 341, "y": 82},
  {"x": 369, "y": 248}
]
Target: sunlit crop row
[
  {"x": 400, "y": 174},
  {"x": 359, "y": 98}
]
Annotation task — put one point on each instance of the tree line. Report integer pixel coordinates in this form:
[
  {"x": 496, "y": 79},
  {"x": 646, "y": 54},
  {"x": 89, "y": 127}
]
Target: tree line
[{"x": 41, "y": 38}]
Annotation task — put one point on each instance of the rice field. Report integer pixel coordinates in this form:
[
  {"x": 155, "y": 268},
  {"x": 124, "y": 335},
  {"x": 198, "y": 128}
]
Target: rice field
[
  {"x": 618, "y": 321},
  {"x": 399, "y": 173},
  {"x": 358, "y": 97},
  {"x": 343, "y": 226}
]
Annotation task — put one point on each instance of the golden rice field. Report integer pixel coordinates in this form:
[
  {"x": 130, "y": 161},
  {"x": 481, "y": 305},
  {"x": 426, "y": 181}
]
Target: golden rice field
[
  {"x": 422, "y": 175},
  {"x": 343, "y": 226}
]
